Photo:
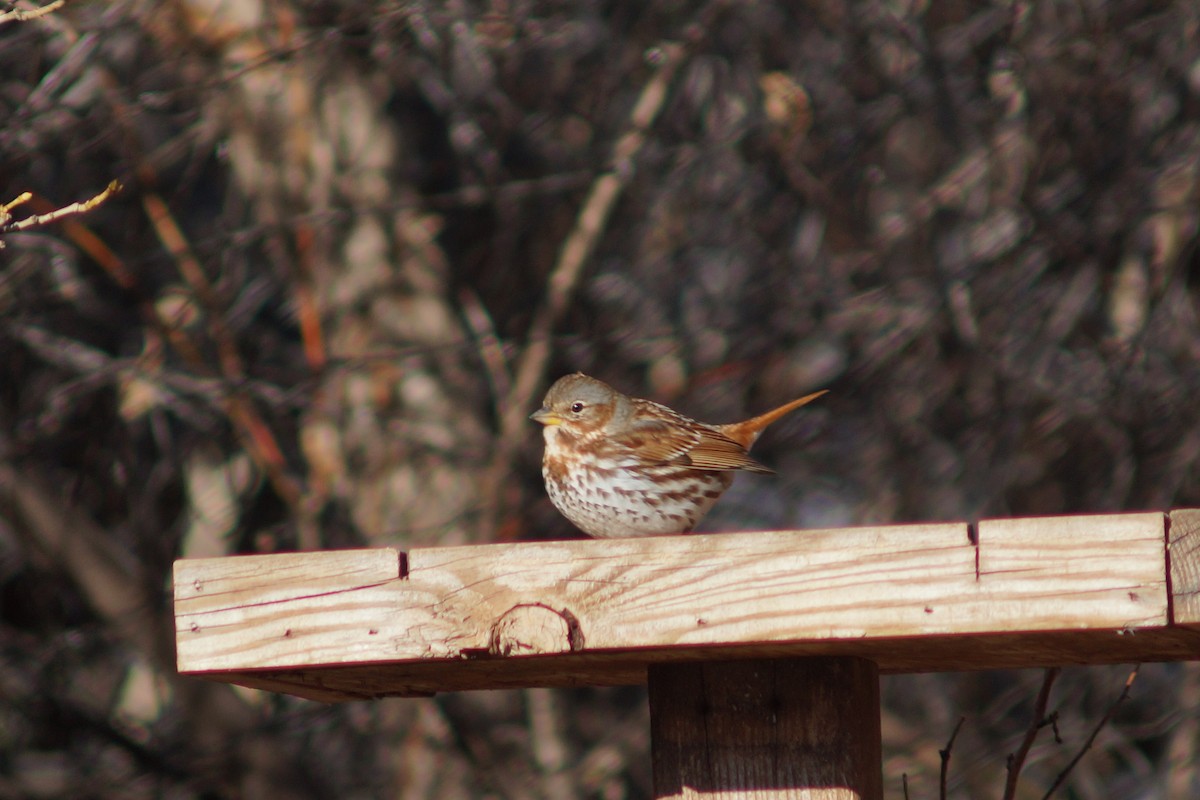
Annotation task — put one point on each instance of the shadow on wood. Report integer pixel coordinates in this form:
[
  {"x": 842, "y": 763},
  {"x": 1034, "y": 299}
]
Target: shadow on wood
[{"x": 781, "y": 729}]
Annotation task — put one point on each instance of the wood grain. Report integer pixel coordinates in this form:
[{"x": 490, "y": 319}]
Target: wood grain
[
  {"x": 1023, "y": 564},
  {"x": 1183, "y": 546},
  {"x": 1033, "y": 592},
  {"x": 780, "y": 729}
]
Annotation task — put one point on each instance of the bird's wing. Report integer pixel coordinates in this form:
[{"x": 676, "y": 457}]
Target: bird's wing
[
  {"x": 717, "y": 451},
  {"x": 668, "y": 438},
  {"x": 658, "y": 441}
]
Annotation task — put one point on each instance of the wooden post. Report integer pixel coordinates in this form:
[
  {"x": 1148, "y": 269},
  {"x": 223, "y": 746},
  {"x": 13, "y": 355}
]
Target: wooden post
[{"x": 767, "y": 729}]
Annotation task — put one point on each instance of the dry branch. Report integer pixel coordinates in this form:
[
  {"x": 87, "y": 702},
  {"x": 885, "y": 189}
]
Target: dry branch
[
  {"x": 564, "y": 278},
  {"x": 1038, "y": 721},
  {"x": 944, "y": 756},
  {"x": 37, "y": 220},
  {"x": 1087, "y": 745},
  {"x": 23, "y": 15}
]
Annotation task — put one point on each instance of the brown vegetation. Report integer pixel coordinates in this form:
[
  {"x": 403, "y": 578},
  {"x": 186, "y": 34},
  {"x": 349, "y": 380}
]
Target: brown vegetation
[{"x": 358, "y": 240}]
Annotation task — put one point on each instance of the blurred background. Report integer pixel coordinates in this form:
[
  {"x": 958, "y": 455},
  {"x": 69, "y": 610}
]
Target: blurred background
[{"x": 358, "y": 240}]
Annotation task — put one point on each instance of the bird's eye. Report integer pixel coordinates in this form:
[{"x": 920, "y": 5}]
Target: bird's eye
[{"x": 576, "y": 407}]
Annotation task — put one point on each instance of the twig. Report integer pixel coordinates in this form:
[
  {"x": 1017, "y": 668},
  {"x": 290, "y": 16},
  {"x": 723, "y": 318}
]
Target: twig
[
  {"x": 24, "y": 16},
  {"x": 487, "y": 342},
  {"x": 944, "y": 754},
  {"x": 1017, "y": 760},
  {"x": 308, "y": 312},
  {"x": 37, "y": 220},
  {"x": 904, "y": 783},
  {"x": 255, "y": 433},
  {"x": 1087, "y": 745}
]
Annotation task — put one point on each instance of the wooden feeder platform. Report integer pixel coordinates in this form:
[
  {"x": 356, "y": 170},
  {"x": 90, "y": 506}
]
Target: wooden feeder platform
[{"x": 778, "y": 636}]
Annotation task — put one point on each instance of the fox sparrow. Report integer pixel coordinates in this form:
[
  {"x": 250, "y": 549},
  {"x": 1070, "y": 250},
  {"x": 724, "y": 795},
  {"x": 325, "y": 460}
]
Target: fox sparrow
[{"x": 621, "y": 466}]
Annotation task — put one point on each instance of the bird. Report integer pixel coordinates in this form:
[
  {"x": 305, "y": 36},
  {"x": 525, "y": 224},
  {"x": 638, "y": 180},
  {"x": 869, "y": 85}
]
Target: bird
[{"x": 619, "y": 466}]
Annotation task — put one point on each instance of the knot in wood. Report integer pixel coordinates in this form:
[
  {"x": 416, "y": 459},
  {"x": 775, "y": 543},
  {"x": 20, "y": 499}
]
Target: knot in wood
[{"x": 533, "y": 629}]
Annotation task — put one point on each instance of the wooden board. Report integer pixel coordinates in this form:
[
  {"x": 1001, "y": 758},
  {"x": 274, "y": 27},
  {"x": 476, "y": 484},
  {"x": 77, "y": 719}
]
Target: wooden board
[
  {"x": 772, "y": 729},
  {"x": 1183, "y": 544},
  {"x": 337, "y": 625}
]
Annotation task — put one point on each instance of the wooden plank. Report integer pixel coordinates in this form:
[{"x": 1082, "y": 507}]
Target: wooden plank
[
  {"x": 994, "y": 651},
  {"x": 1183, "y": 547},
  {"x": 780, "y": 729},
  {"x": 716, "y": 589},
  {"x": 291, "y": 608},
  {"x": 1034, "y": 592},
  {"x": 1052, "y": 572}
]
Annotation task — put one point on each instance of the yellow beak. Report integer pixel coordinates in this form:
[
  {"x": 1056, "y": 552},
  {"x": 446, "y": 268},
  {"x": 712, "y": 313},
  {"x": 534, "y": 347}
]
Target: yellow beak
[{"x": 546, "y": 417}]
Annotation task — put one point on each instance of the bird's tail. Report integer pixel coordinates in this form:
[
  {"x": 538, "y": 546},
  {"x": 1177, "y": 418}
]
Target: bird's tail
[{"x": 746, "y": 433}]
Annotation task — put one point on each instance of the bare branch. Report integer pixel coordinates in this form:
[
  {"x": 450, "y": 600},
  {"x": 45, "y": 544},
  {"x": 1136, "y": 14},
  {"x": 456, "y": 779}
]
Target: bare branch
[
  {"x": 487, "y": 341},
  {"x": 6, "y": 208},
  {"x": 37, "y": 220},
  {"x": 1087, "y": 745},
  {"x": 20, "y": 15},
  {"x": 573, "y": 256},
  {"x": 1017, "y": 760},
  {"x": 944, "y": 754}
]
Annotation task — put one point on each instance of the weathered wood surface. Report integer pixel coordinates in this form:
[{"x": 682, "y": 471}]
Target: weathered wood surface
[
  {"x": 1029, "y": 592},
  {"x": 1183, "y": 542}
]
